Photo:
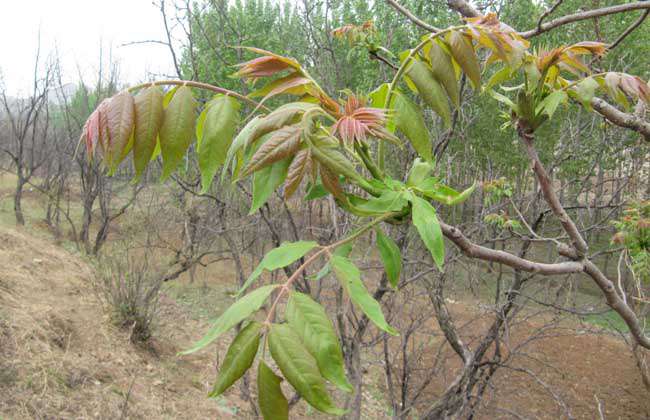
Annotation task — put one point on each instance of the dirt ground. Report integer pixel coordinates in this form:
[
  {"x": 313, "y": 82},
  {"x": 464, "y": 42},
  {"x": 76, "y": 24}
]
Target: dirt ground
[{"x": 60, "y": 357}]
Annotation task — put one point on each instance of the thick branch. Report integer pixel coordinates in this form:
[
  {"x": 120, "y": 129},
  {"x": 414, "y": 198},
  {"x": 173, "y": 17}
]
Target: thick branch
[
  {"x": 620, "y": 118},
  {"x": 473, "y": 250}
]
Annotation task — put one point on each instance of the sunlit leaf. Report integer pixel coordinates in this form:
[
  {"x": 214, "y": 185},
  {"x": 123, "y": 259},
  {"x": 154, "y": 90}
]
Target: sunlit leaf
[
  {"x": 443, "y": 71},
  {"x": 430, "y": 89},
  {"x": 463, "y": 52}
]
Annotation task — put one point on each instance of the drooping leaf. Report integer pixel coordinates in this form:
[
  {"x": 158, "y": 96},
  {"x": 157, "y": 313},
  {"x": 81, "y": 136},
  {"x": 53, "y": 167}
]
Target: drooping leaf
[
  {"x": 120, "y": 118},
  {"x": 300, "y": 166},
  {"x": 300, "y": 368},
  {"x": 221, "y": 120},
  {"x": 280, "y": 145},
  {"x": 443, "y": 71},
  {"x": 177, "y": 129},
  {"x": 148, "y": 119},
  {"x": 266, "y": 180},
  {"x": 390, "y": 256},
  {"x": 273, "y": 404},
  {"x": 430, "y": 89},
  {"x": 427, "y": 225},
  {"x": 463, "y": 52},
  {"x": 331, "y": 183},
  {"x": 287, "y": 253},
  {"x": 315, "y": 329},
  {"x": 236, "y": 313},
  {"x": 350, "y": 278},
  {"x": 239, "y": 358}
]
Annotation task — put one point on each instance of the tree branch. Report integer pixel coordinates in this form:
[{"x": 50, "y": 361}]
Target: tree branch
[
  {"x": 620, "y": 118},
  {"x": 589, "y": 14},
  {"x": 409, "y": 15}
]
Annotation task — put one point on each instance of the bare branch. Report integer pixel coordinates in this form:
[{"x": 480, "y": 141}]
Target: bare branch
[
  {"x": 589, "y": 14},
  {"x": 621, "y": 119},
  {"x": 419, "y": 22}
]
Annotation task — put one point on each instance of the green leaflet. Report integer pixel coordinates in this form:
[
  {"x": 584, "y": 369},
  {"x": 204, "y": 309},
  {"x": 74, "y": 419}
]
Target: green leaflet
[
  {"x": 215, "y": 136},
  {"x": 427, "y": 225},
  {"x": 585, "y": 91},
  {"x": 463, "y": 52},
  {"x": 420, "y": 171},
  {"x": 273, "y": 404},
  {"x": 236, "y": 313},
  {"x": 300, "y": 368},
  {"x": 442, "y": 193},
  {"x": 551, "y": 102},
  {"x": 177, "y": 129},
  {"x": 310, "y": 321},
  {"x": 443, "y": 71},
  {"x": 239, "y": 358},
  {"x": 390, "y": 256},
  {"x": 407, "y": 117},
  {"x": 315, "y": 192},
  {"x": 148, "y": 119},
  {"x": 237, "y": 147},
  {"x": 430, "y": 89},
  {"x": 266, "y": 180},
  {"x": 287, "y": 253},
  {"x": 336, "y": 162},
  {"x": 388, "y": 201},
  {"x": 350, "y": 278}
]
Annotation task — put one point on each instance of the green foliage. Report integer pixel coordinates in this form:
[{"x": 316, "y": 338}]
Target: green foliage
[
  {"x": 350, "y": 278},
  {"x": 287, "y": 253},
  {"x": 300, "y": 368},
  {"x": 273, "y": 404},
  {"x": 239, "y": 311},
  {"x": 239, "y": 358},
  {"x": 329, "y": 141},
  {"x": 309, "y": 320},
  {"x": 390, "y": 256}
]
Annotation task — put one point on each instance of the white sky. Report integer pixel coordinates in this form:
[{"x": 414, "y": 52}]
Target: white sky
[{"x": 75, "y": 28}]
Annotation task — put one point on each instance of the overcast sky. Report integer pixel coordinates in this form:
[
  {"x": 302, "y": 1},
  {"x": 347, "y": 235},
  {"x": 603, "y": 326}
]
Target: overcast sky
[{"x": 75, "y": 28}]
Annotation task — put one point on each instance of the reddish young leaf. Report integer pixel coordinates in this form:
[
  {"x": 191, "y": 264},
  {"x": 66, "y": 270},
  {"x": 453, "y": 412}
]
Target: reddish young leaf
[
  {"x": 300, "y": 166},
  {"x": 360, "y": 122},
  {"x": 282, "y": 143},
  {"x": 120, "y": 117}
]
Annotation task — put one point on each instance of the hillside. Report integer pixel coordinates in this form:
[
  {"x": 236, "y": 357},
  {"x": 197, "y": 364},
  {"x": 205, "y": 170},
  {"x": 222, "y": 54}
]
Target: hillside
[{"x": 61, "y": 357}]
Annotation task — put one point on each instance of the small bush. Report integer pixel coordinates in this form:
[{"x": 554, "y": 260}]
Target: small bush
[{"x": 131, "y": 291}]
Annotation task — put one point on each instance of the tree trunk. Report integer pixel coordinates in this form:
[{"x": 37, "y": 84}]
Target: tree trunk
[{"x": 18, "y": 197}]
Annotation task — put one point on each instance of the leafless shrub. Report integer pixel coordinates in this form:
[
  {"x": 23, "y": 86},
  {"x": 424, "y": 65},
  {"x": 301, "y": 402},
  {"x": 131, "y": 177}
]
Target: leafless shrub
[{"x": 130, "y": 288}]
